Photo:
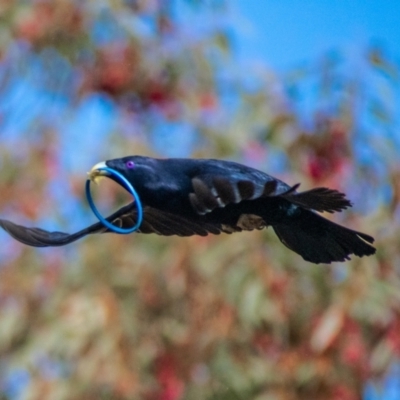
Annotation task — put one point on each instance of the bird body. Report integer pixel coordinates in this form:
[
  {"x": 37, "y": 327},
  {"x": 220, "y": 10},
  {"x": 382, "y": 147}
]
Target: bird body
[
  {"x": 188, "y": 197},
  {"x": 197, "y": 188}
]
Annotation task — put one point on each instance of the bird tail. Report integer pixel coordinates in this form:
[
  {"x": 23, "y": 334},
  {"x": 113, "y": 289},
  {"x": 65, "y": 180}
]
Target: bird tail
[{"x": 319, "y": 240}]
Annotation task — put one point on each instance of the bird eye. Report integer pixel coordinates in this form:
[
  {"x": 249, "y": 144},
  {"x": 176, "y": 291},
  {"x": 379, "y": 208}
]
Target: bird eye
[{"x": 130, "y": 164}]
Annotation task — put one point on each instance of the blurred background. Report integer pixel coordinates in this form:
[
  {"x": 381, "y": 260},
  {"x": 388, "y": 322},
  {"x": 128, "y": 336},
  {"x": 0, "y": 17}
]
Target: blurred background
[{"x": 306, "y": 92}]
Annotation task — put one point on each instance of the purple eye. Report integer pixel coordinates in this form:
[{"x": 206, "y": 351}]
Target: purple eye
[{"x": 130, "y": 164}]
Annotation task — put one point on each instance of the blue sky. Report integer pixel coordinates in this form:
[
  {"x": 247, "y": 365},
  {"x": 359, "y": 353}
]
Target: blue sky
[{"x": 284, "y": 33}]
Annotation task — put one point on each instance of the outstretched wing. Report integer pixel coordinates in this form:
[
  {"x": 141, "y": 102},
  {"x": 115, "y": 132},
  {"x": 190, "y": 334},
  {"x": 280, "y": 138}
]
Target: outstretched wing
[
  {"x": 154, "y": 221},
  {"x": 38, "y": 237}
]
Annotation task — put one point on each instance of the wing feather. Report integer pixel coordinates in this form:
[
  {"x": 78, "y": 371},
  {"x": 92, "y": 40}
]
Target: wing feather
[
  {"x": 154, "y": 221},
  {"x": 320, "y": 199},
  {"x": 211, "y": 192}
]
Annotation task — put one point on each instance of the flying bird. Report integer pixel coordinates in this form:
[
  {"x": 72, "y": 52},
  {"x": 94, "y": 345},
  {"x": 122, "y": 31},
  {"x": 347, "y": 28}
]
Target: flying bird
[{"x": 188, "y": 197}]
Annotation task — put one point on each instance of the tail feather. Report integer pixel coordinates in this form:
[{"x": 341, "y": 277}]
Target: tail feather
[
  {"x": 320, "y": 199},
  {"x": 319, "y": 240}
]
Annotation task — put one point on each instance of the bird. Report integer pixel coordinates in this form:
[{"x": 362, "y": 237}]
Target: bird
[{"x": 187, "y": 196}]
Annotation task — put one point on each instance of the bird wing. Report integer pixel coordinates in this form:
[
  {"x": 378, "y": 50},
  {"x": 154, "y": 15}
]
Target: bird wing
[
  {"x": 38, "y": 237},
  {"x": 154, "y": 221},
  {"x": 213, "y": 191},
  {"x": 167, "y": 224},
  {"x": 319, "y": 199}
]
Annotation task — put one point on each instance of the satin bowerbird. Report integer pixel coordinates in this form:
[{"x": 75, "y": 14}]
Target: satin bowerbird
[{"x": 188, "y": 197}]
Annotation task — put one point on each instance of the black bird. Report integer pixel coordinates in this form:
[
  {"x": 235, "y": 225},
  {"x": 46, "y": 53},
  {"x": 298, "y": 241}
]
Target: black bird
[{"x": 188, "y": 197}]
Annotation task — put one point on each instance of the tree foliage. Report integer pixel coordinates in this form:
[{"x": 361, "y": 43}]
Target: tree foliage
[{"x": 145, "y": 317}]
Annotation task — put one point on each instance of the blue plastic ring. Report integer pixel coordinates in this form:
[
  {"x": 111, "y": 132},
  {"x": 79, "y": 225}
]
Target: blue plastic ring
[{"x": 131, "y": 190}]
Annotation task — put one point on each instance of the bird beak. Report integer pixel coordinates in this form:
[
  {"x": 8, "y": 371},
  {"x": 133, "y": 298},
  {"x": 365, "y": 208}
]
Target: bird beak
[{"x": 97, "y": 172}]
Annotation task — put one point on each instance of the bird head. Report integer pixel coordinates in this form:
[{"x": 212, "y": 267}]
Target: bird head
[{"x": 136, "y": 169}]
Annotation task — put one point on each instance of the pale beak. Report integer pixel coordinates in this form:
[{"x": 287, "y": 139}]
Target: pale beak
[{"x": 96, "y": 173}]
